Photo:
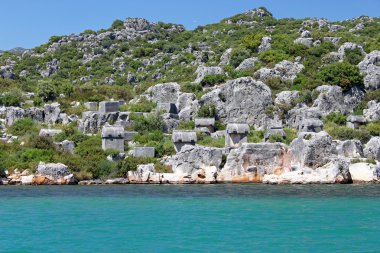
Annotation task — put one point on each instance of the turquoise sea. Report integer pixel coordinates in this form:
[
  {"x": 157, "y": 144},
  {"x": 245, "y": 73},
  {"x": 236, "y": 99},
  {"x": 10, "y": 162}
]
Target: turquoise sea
[{"x": 190, "y": 218}]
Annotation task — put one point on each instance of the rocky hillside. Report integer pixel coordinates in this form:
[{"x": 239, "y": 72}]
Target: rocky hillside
[{"x": 281, "y": 77}]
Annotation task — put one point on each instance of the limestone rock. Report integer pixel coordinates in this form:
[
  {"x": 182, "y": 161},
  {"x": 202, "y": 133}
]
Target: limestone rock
[
  {"x": 372, "y": 148},
  {"x": 312, "y": 153},
  {"x": 252, "y": 161},
  {"x": 243, "y": 100},
  {"x": 202, "y": 72},
  {"x": 192, "y": 158},
  {"x": 285, "y": 70},
  {"x": 349, "y": 45},
  {"x": 286, "y": 97},
  {"x": 336, "y": 171},
  {"x": 370, "y": 66},
  {"x": 13, "y": 114},
  {"x": 247, "y": 63},
  {"x": 52, "y": 112},
  {"x": 350, "y": 148},
  {"x": 334, "y": 40},
  {"x": 365, "y": 172},
  {"x": 164, "y": 92},
  {"x": 225, "y": 58},
  {"x": 266, "y": 44},
  {"x": 373, "y": 111},
  {"x": 305, "y": 41},
  {"x": 53, "y": 170},
  {"x": 52, "y": 67}
]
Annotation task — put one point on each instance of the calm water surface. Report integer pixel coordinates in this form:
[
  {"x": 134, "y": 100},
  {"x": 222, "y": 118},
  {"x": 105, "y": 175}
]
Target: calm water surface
[{"x": 190, "y": 218}]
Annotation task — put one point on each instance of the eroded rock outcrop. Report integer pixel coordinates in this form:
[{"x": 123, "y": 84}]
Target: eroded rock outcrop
[{"x": 243, "y": 100}]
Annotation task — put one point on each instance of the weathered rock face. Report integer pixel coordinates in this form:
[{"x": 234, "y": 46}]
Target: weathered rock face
[
  {"x": 372, "y": 148},
  {"x": 36, "y": 114},
  {"x": 350, "y": 148},
  {"x": 54, "y": 170},
  {"x": 226, "y": 57},
  {"x": 336, "y": 171},
  {"x": 370, "y": 66},
  {"x": 52, "y": 67},
  {"x": 365, "y": 172},
  {"x": 243, "y": 100},
  {"x": 285, "y": 70},
  {"x": 247, "y": 63},
  {"x": 92, "y": 122},
  {"x": 312, "y": 153},
  {"x": 298, "y": 116},
  {"x": 266, "y": 44},
  {"x": 350, "y": 46},
  {"x": 252, "y": 161},
  {"x": 332, "y": 99},
  {"x": 202, "y": 72},
  {"x": 373, "y": 111},
  {"x": 305, "y": 41},
  {"x": 164, "y": 92},
  {"x": 52, "y": 112},
  {"x": 192, "y": 158},
  {"x": 13, "y": 114},
  {"x": 334, "y": 40},
  {"x": 286, "y": 97}
]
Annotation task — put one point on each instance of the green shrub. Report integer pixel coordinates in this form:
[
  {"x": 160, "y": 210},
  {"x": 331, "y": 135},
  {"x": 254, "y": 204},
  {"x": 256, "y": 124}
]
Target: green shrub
[
  {"x": 238, "y": 55},
  {"x": 272, "y": 57},
  {"x": 256, "y": 136},
  {"x": 11, "y": 98},
  {"x": 219, "y": 126},
  {"x": 208, "y": 141},
  {"x": 186, "y": 125},
  {"x": 117, "y": 24},
  {"x": 41, "y": 142},
  {"x": 211, "y": 80},
  {"x": 252, "y": 42},
  {"x": 275, "y": 138},
  {"x": 207, "y": 111},
  {"x": 342, "y": 74},
  {"x": 290, "y": 135},
  {"x": 46, "y": 91},
  {"x": 345, "y": 133},
  {"x": 23, "y": 126},
  {"x": 374, "y": 128},
  {"x": 144, "y": 105},
  {"x": 150, "y": 123},
  {"x": 353, "y": 56},
  {"x": 337, "y": 118}
]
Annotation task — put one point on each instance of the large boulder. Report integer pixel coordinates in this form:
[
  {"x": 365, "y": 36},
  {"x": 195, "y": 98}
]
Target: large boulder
[
  {"x": 333, "y": 99},
  {"x": 364, "y": 172},
  {"x": 36, "y": 114},
  {"x": 373, "y": 111},
  {"x": 286, "y": 97},
  {"x": 266, "y": 44},
  {"x": 336, "y": 171},
  {"x": 285, "y": 70},
  {"x": 350, "y": 148},
  {"x": 13, "y": 114},
  {"x": 243, "y": 100},
  {"x": 52, "y": 67},
  {"x": 54, "y": 172},
  {"x": 370, "y": 66},
  {"x": 52, "y": 112},
  {"x": 313, "y": 152},
  {"x": 92, "y": 122},
  {"x": 203, "y": 71},
  {"x": 247, "y": 63},
  {"x": 251, "y": 161},
  {"x": 192, "y": 158},
  {"x": 164, "y": 92},
  {"x": 372, "y": 148},
  {"x": 225, "y": 58},
  {"x": 350, "y": 46}
]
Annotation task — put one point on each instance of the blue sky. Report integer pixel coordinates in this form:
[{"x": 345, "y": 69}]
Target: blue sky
[{"x": 29, "y": 23}]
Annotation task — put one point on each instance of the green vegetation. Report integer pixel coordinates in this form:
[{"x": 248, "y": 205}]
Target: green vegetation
[
  {"x": 211, "y": 80},
  {"x": 23, "y": 126},
  {"x": 342, "y": 74},
  {"x": 207, "y": 111}
]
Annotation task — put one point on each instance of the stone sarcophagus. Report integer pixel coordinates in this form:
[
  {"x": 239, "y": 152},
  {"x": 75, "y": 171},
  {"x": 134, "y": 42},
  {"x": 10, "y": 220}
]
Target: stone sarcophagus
[
  {"x": 182, "y": 138},
  {"x": 113, "y": 138},
  {"x": 236, "y": 135}
]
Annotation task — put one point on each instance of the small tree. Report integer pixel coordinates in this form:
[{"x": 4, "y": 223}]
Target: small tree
[
  {"x": 46, "y": 91},
  {"x": 117, "y": 24},
  {"x": 342, "y": 74}
]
